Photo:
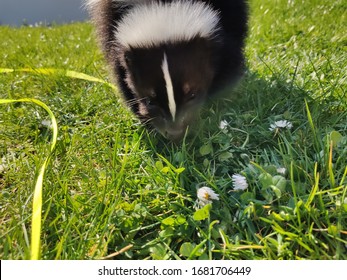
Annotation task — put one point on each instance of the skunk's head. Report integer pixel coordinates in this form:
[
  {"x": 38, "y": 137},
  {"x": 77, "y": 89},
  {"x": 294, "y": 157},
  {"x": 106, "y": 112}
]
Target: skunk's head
[
  {"x": 168, "y": 52},
  {"x": 170, "y": 83}
]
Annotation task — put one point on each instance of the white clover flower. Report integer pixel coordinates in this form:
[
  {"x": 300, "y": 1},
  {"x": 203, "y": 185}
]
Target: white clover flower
[
  {"x": 281, "y": 170},
  {"x": 223, "y": 125},
  {"x": 3, "y": 165},
  {"x": 239, "y": 182},
  {"x": 281, "y": 124},
  {"x": 206, "y": 195},
  {"x": 46, "y": 123}
]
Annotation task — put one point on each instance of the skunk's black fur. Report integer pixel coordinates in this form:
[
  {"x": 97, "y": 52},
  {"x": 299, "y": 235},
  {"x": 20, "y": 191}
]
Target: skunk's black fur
[{"x": 165, "y": 61}]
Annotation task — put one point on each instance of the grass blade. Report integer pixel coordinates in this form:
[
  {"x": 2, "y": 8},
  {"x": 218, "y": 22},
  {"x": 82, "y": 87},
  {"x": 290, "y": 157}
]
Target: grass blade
[{"x": 310, "y": 120}]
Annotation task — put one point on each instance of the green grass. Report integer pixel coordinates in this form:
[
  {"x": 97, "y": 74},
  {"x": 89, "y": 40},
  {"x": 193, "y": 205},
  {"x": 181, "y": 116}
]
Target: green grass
[{"x": 113, "y": 188}]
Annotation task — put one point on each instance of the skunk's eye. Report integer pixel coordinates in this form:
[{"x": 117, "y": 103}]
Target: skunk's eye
[
  {"x": 151, "y": 98},
  {"x": 191, "y": 95},
  {"x": 189, "y": 92},
  {"x": 149, "y": 101}
]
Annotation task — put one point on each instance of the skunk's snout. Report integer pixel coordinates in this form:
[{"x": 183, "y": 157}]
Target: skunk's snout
[
  {"x": 176, "y": 130},
  {"x": 175, "y": 133},
  {"x": 171, "y": 130}
]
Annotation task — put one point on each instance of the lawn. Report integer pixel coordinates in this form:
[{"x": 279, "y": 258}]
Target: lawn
[{"x": 114, "y": 190}]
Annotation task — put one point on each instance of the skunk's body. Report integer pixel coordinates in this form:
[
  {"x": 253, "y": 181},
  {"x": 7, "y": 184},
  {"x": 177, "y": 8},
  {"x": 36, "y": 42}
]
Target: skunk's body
[{"x": 168, "y": 55}]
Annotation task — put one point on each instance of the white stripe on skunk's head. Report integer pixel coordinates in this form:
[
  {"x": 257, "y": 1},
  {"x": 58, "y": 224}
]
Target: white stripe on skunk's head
[
  {"x": 154, "y": 23},
  {"x": 169, "y": 87}
]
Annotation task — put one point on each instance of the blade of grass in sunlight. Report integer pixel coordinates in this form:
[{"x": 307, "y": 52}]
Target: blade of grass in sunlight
[{"x": 310, "y": 120}]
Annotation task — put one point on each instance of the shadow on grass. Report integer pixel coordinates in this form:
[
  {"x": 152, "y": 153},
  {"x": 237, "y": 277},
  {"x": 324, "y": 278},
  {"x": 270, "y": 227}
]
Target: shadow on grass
[{"x": 247, "y": 108}]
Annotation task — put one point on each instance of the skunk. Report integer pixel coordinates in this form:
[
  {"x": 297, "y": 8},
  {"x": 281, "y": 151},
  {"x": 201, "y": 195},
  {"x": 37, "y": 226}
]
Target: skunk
[{"x": 169, "y": 56}]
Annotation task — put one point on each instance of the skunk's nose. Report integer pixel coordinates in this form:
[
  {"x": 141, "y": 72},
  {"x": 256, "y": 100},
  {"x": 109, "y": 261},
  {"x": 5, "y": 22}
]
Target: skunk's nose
[{"x": 175, "y": 134}]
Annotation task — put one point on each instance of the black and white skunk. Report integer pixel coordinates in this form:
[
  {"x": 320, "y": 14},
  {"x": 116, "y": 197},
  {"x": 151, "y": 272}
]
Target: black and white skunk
[{"x": 168, "y": 56}]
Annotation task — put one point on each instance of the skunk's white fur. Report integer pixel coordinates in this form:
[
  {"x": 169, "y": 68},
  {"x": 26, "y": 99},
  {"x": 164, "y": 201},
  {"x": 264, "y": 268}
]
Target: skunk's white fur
[{"x": 154, "y": 23}]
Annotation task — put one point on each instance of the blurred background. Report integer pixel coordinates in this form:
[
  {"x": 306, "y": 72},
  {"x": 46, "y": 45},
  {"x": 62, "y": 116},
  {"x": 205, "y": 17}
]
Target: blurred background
[{"x": 33, "y": 12}]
